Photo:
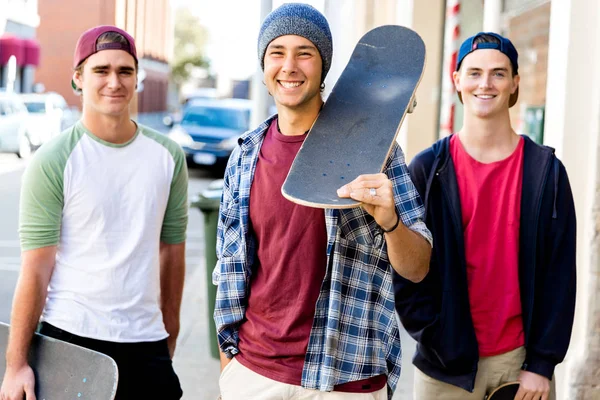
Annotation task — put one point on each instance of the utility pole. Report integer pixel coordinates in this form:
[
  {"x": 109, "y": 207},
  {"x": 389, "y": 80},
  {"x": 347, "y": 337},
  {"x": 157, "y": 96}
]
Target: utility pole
[
  {"x": 260, "y": 96},
  {"x": 492, "y": 15}
]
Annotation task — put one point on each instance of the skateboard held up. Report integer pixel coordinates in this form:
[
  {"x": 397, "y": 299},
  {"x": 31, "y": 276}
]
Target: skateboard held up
[
  {"x": 506, "y": 391},
  {"x": 357, "y": 127},
  {"x": 66, "y": 371}
]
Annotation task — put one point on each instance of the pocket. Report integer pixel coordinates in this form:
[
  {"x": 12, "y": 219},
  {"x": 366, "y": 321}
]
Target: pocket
[{"x": 227, "y": 369}]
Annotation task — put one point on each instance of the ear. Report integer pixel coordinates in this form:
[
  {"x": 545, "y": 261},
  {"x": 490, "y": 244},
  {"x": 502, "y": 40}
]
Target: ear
[
  {"x": 516, "y": 81},
  {"x": 456, "y": 79},
  {"x": 78, "y": 79}
]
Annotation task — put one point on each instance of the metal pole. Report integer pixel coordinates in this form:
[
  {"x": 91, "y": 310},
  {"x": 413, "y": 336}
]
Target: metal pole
[
  {"x": 260, "y": 95},
  {"x": 451, "y": 44},
  {"x": 492, "y": 16}
]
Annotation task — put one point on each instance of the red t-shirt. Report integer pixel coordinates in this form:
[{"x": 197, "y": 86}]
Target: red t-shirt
[
  {"x": 490, "y": 198},
  {"x": 288, "y": 273}
]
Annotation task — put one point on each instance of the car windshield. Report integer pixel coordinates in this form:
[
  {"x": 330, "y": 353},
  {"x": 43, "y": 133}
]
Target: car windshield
[
  {"x": 36, "y": 107},
  {"x": 217, "y": 117}
]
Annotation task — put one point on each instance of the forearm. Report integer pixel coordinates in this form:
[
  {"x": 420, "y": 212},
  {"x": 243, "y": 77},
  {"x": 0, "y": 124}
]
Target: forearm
[
  {"x": 409, "y": 253},
  {"x": 28, "y": 303},
  {"x": 172, "y": 275},
  {"x": 224, "y": 360}
]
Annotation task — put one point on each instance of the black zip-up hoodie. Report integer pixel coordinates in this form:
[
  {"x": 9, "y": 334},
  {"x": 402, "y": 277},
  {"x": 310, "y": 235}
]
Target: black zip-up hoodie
[{"x": 436, "y": 311}]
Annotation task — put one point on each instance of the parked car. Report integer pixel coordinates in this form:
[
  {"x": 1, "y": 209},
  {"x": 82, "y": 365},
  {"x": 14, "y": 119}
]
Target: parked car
[
  {"x": 14, "y": 137},
  {"x": 209, "y": 129},
  {"x": 49, "y": 115}
]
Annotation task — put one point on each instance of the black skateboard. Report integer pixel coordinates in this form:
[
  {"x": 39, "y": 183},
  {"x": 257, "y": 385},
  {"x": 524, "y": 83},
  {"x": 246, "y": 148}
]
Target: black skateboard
[
  {"x": 66, "y": 371},
  {"x": 360, "y": 120},
  {"x": 506, "y": 391}
]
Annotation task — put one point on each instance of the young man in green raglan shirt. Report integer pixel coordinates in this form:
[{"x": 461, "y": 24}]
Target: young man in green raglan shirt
[{"x": 103, "y": 217}]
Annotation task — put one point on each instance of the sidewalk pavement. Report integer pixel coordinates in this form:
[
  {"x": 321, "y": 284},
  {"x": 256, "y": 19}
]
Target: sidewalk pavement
[{"x": 199, "y": 372}]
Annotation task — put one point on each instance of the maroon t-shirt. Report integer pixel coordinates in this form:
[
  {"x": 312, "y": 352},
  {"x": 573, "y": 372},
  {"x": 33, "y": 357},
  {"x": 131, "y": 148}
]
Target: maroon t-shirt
[{"x": 288, "y": 272}]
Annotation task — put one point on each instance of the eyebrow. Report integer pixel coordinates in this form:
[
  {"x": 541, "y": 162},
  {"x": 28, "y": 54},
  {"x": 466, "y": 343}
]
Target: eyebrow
[
  {"x": 106, "y": 67},
  {"x": 303, "y": 47},
  {"x": 493, "y": 69}
]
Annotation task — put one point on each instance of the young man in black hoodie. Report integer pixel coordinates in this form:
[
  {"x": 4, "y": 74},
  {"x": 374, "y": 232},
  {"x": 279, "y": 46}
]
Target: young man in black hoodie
[{"x": 498, "y": 302}]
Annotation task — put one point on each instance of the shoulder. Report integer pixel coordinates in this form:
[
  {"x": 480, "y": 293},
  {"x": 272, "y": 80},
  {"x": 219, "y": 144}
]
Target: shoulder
[
  {"x": 424, "y": 160},
  {"x": 54, "y": 154},
  {"x": 164, "y": 141}
]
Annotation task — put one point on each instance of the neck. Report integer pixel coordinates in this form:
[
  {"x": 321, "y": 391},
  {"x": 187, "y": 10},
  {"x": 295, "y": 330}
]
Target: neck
[
  {"x": 297, "y": 121},
  {"x": 488, "y": 140},
  {"x": 113, "y": 129}
]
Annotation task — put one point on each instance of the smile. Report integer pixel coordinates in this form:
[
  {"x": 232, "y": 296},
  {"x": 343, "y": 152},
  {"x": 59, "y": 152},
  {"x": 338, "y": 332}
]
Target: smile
[
  {"x": 485, "y": 96},
  {"x": 290, "y": 85}
]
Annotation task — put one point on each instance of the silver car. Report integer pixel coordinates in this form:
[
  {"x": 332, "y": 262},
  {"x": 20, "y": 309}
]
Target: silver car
[
  {"x": 13, "y": 126},
  {"x": 49, "y": 115}
]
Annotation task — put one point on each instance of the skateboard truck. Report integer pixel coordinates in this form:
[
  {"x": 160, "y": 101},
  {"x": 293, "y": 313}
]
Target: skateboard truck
[{"x": 412, "y": 106}]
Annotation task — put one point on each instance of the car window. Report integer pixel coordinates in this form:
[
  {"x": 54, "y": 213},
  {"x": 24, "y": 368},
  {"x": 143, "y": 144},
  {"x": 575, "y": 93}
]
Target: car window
[
  {"x": 35, "y": 107},
  {"x": 217, "y": 117}
]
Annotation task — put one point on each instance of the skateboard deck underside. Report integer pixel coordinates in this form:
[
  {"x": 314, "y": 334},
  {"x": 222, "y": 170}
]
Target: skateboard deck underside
[
  {"x": 505, "y": 392},
  {"x": 65, "y": 371},
  {"x": 359, "y": 122}
]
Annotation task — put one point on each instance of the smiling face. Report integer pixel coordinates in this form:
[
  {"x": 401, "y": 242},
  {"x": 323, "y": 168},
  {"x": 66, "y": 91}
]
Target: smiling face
[
  {"x": 292, "y": 74},
  {"x": 107, "y": 82},
  {"x": 486, "y": 82}
]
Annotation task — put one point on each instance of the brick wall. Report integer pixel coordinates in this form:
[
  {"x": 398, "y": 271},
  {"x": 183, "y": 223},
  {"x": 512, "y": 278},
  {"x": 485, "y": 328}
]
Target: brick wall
[
  {"x": 60, "y": 27},
  {"x": 529, "y": 32}
]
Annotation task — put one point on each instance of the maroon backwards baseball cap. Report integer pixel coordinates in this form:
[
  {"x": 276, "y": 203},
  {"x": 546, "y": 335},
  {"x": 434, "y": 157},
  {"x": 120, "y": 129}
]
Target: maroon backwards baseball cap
[{"x": 86, "y": 45}]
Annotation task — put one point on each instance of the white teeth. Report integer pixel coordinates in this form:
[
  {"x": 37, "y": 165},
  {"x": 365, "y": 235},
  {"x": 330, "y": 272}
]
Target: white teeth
[
  {"x": 485, "y": 96},
  {"x": 289, "y": 85}
]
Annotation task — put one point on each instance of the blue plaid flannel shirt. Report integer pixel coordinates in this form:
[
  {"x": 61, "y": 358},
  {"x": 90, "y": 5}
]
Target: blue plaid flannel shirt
[{"x": 355, "y": 331}]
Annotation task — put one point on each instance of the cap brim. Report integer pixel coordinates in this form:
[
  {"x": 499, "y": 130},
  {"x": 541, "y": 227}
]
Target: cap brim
[{"x": 511, "y": 102}]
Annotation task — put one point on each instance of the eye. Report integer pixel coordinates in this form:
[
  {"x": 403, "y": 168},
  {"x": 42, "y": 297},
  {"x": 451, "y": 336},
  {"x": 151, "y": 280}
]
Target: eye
[
  {"x": 474, "y": 73},
  {"x": 276, "y": 53},
  {"x": 500, "y": 74}
]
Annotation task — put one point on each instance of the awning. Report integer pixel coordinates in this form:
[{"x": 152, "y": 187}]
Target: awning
[
  {"x": 32, "y": 52},
  {"x": 11, "y": 46}
]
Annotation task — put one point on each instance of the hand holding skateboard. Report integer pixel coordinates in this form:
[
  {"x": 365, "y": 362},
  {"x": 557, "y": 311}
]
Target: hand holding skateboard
[{"x": 375, "y": 193}]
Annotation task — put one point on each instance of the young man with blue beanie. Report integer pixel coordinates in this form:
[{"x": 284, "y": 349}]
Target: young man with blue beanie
[
  {"x": 498, "y": 302},
  {"x": 305, "y": 304}
]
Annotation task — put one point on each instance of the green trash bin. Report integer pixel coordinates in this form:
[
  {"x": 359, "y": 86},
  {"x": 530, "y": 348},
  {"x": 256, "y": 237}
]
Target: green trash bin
[{"x": 208, "y": 203}]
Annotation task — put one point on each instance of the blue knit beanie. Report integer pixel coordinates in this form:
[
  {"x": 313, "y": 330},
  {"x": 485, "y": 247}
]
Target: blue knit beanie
[{"x": 301, "y": 20}]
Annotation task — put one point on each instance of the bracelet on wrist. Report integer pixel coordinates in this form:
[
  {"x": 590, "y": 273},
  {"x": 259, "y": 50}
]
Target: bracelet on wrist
[{"x": 393, "y": 227}]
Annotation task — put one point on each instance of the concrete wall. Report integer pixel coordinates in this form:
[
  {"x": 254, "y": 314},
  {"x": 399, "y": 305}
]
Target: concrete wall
[{"x": 573, "y": 127}]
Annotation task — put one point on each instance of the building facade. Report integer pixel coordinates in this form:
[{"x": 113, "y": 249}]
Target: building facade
[
  {"x": 148, "y": 21},
  {"x": 19, "y": 21}
]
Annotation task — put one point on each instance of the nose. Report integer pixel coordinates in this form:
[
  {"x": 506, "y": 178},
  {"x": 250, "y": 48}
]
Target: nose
[
  {"x": 113, "y": 80},
  {"x": 289, "y": 64},
  {"x": 485, "y": 81}
]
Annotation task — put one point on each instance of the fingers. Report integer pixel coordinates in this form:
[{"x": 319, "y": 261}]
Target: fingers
[
  {"x": 372, "y": 189},
  {"x": 29, "y": 392},
  {"x": 523, "y": 394}
]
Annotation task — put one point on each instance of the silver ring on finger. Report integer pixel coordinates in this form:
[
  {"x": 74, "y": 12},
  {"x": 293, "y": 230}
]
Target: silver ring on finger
[{"x": 373, "y": 192}]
